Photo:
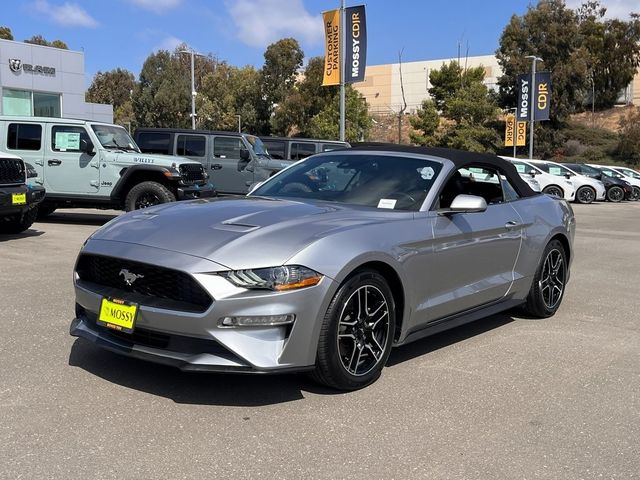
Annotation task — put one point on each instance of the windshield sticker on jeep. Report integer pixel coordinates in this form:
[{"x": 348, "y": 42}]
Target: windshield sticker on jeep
[
  {"x": 142, "y": 160},
  {"x": 426, "y": 173},
  {"x": 67, "y": 141}
]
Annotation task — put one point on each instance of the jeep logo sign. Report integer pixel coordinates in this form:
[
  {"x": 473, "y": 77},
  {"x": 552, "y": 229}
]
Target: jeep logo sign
[{"x": 16, "y": 65}]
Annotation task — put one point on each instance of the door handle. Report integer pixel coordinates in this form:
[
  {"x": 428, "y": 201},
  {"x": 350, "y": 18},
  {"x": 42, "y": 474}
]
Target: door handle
[
  {"x": 512, "y": 224},
  {"x": 216, "y": 166},
  {"x": 54, "y": 163}
]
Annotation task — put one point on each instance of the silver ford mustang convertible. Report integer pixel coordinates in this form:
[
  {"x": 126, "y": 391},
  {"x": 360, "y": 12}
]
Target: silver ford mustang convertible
[{"x": 325, "y": 266}]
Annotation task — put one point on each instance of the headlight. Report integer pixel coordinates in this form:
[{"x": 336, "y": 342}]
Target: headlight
[{"x": 288, "y": 277}]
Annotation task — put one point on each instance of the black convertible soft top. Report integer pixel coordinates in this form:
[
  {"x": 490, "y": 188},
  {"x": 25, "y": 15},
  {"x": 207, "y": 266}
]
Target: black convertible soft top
[{"x": 459, "y": 158}]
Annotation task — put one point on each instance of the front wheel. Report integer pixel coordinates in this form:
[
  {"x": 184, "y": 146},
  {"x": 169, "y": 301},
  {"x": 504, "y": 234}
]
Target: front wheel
[
  {"x": 357, "y": 333},
  {"x": 147, "y": 194},
  {"x": 549, "y": 282},
  {"x": 19, "y": 223},
  {"x": 585, "y": 195},
  {"x": 615, "y": 194},
  {"x": 636, "y": 193},
  {"x": 554, "y": 191}
]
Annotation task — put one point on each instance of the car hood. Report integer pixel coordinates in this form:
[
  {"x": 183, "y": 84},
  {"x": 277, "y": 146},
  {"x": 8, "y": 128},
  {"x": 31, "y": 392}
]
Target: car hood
[{"x": 248, "y": 232}]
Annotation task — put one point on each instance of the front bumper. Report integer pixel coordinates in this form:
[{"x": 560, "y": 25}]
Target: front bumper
[
  {"x": 193, "y": 341},
  {"x": 34, "y": 195},
  {"x": 192, "y": 192}
]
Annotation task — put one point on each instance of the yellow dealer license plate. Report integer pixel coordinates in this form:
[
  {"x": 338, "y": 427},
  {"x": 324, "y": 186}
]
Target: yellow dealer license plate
[
  {"x": 19, "y": 198},
  {"x": 118, "y": 314}
]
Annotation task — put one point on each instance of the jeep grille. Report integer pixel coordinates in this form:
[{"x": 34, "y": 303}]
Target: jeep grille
[
  {"x": 192, "y": 173},
  {"x": 11, "y": 171},
  {"x": 158, "y": 286}
]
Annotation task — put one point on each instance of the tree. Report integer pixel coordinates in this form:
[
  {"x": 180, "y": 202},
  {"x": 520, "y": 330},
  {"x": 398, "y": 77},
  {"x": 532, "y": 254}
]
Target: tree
[
  {"x": 425, "y": 123},
  {"x": 5, "y": 33},
  {"x": 449, "y": 79},
  {"x": 114, "y": 87},
  {"x": 612, "y": 49},
  {"x": 548, "y": 30},
  {"x": 40, "y": 40},
  {"x": 326, "y": 124},
  {"x": 282, "y": 60},
  {"x": 629, "y": 146}
]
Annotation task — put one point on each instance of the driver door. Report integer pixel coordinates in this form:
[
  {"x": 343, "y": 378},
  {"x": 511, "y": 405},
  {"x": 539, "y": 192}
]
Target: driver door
[{"x": 230, "y": 172}]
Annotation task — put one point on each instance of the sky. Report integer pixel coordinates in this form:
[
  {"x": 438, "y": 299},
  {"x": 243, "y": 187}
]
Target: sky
[{"x": 122, "y": 33}]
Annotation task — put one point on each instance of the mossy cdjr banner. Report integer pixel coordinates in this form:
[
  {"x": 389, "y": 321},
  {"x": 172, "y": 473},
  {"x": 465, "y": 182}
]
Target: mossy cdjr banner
[{"x": 355, "y": 44}]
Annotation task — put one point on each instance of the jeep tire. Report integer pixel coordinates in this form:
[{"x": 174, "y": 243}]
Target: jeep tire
[
  {"x": 19, "y": 223},
  {"x": 147, "y": 194}
]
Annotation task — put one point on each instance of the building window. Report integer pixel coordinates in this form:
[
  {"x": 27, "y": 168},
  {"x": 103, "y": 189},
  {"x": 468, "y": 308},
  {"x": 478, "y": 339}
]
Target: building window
[
  {"x": 46, "y": 104},
  {"x": 26, "y": 104},
  {"x": 16, "y": 102}
]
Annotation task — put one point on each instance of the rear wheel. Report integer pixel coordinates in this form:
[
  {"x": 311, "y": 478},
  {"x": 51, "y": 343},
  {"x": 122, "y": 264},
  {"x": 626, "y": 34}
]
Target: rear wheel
[
  {"x": 615, "y": 194},
  {"x": 554, "y": 190},
  {"x": 549, "y": 282},
  {"x": 636, "y": 193},
  {"x": 357, "y": 333},
  {"x": 147, "y": 194},
  {"x": 585, "y": 195},
  {"x": 19, "y": 223}
]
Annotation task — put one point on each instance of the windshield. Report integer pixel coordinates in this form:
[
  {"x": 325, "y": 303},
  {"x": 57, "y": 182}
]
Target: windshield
[
  {"x": 114, "y": 137},
  {"x": 629, "y": 173},
  {"x": 611, "y": 173},
  {"x": 368, "y": 180},
  {"x": 258, "y": 147}
]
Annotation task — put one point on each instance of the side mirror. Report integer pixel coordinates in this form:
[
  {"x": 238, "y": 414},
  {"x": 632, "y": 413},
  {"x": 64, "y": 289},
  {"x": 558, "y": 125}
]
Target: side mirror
[
  {"x": 465, "y": 204},
  {"x": 532, "y": 173},
  {"x": 31, "y": 171},
  {"x": 86, "y": 147},
  {"x": 245, "y": 156},
  {"x": 567, "y": 175}
]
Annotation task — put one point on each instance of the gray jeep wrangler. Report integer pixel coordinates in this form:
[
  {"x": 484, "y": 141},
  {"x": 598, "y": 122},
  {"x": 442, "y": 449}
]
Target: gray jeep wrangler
[{"x": 92, "y": 164}]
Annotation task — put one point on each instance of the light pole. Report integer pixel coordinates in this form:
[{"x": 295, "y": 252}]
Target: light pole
[
  {"x": 193, "y": 86},
  {"x": 239, "y": 124},
  {"x": 532, "y": 107},
  {"x": 343, "y": 36}
]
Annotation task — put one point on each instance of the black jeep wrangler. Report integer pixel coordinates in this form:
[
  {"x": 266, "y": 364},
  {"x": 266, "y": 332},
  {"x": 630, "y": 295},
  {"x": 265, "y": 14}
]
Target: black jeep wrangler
[{"x": 18, "y": 201}]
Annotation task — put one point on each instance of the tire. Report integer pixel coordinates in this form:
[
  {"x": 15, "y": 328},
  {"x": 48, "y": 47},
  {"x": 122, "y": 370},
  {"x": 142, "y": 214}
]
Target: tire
[
  {"x": 45, "y": 210},
  {"x": 636, "y": 194},
  {"x": 615, "y": 194},
  {"x": 354, "y": 346},
  {"x": 585, "y": 195},
  {"x": 554, "y": 190},
  {"x": 147, "y": 194},
  {"x": 549, "y": 282},
  {"x": 19, "y": 223}
]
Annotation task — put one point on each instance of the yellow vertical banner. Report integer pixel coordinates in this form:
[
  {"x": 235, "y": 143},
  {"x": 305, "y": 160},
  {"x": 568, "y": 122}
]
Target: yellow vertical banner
[
  {"x": 521, "y": 134},
  {"x": 332, "y": 60},
  {"x": 509, "y": 130}
]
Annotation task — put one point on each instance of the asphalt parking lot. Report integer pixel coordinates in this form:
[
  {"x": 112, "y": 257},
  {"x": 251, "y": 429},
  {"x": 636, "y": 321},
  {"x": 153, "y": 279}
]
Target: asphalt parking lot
[{"x": 505, "y": 397}]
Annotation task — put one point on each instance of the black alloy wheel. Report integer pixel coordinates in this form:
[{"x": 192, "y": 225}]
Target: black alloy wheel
[
  {"x": 636, "y": 194},
  {"x": 147, "y": 194},
  {"x": 554, "y": 191},
  {"x": 547, "y": 288},
  {"x": 615, "y": 194},
  {"x": 357, "y": 333},
  {"x": 585, "y": 195}
]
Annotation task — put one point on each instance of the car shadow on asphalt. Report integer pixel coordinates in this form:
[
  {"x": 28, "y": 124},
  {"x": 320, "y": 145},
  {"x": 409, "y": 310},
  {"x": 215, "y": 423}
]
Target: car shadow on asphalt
[
  {"x": 78, "y": 218},
  {"x": 226, "y": 389},
  {"x": 448, "y": 337},
  {"x": 32, "y": 232}
]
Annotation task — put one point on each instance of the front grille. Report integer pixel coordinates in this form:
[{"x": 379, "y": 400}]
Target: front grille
[
  {"x": 11, "y": 171},
  {"x": 157, "y": 286},
  {"x": 192, "y": 172}
]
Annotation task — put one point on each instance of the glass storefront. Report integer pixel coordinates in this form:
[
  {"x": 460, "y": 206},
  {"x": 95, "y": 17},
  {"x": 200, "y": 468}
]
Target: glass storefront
[{"x": 25, "y": 103}]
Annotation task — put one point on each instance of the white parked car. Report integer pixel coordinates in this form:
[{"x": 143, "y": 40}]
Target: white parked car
[
  {"x": 549, "y": 184},
  {"x": 587, "y": 189}
]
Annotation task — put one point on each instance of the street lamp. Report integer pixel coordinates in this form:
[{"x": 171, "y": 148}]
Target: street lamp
[
  {"x": 532, "y": 109},
  {"x": 193, "y": 85}
]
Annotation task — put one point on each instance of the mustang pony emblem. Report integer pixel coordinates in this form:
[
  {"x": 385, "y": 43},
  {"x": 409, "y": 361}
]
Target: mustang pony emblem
[{"x": 129, "y": 277}]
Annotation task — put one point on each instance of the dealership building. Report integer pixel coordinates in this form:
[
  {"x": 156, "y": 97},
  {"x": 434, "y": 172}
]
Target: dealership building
[
  {"x": 382, "y": 86},
  {"x": 44, "y": 81}
]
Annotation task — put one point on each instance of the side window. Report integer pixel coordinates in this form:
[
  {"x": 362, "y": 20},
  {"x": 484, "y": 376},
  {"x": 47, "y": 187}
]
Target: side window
[
  {"x": 66, "y": 138},
  {"x": 509, "y": 192},
  {"x": 24, "y": 136},
  {"x": 151, "y": 142},
  {"x": 327, "y": 147},
  {"x": 191, "y": 145},
  {"x": 479, "y": 181},
  {"x": 227, "y": 147},
  {"x": 521, "y": 167},
  {"x": 300, "y": 150},
  {"x": 276, "y": 149}
]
